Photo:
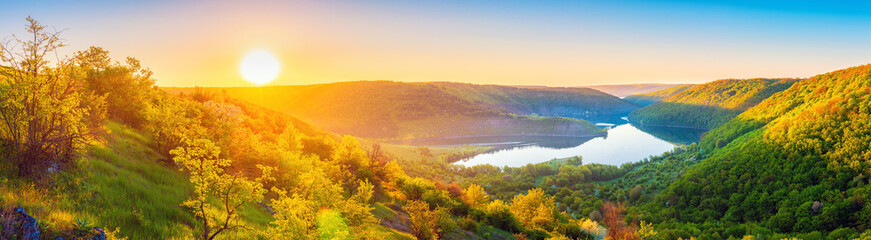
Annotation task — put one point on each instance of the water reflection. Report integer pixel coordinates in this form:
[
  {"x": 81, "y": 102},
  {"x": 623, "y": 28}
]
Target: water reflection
[{"x": 623, "y": 143}]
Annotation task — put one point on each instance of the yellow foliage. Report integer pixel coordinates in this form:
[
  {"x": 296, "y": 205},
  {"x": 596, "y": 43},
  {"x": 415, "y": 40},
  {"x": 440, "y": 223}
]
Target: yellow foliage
[
  {"x": 426, "y": 223},
  {"x": 646, "y": 231},
  {"x": 535, "y": 209},
  {"x": 200, "y": 158},
  {"x": 591, "y": 227},
  {"x": 295, "y": 218},
  {"x": 476, "y": 196}
]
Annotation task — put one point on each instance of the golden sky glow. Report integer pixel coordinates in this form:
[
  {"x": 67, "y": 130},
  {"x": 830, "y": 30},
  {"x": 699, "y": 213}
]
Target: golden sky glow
[{"x": 513, "y": 43}]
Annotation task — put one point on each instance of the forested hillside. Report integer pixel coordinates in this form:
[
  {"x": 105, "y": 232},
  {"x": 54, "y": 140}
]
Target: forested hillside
[
  {"x": 626, "y": 90},
  {"x": 709, "y": 105},
  {"x": 385, "y": 109},
  {"x": 796, "y": 162},
  {"x": 652, "y": 97},
  {"x": 579, "y": 103}
]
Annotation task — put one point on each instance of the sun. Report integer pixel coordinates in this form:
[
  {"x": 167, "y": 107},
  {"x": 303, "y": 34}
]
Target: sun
[{"x": 259, "y": 67}]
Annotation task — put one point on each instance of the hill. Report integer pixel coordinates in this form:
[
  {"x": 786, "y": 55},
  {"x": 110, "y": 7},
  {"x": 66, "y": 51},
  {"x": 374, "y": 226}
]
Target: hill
[
  {"x": 709, "y": 105},
  {"x": 383, "y": 109},
  {"x": 624, "y": 90},
  {"x": 796, "y": 162},
  {"x": 645, "y": 99}
]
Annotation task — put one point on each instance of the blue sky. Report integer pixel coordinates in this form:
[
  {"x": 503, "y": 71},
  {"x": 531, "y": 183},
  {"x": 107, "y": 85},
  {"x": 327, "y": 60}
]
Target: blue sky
[{"x": 555, "y": 43}]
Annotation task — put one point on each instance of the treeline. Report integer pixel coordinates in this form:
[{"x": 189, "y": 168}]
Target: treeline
[
  {"x": 391, "y": 110},
  {"x": 709, "y": 105},
  {"x": 652, "y": 97}
]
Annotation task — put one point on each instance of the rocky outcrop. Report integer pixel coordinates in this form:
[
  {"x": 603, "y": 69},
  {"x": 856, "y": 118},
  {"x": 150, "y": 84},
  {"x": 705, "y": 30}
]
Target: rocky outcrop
[{"x": 17, "y": 224}]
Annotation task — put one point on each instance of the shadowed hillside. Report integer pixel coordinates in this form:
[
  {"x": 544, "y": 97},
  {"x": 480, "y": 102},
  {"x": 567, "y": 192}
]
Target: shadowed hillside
[
  {"x": 709, "y": 105},
  {"x": 385, "y": 109}
]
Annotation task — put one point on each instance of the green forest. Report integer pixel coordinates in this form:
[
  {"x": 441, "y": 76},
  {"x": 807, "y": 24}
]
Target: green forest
[{"x": 708, "y": 105}]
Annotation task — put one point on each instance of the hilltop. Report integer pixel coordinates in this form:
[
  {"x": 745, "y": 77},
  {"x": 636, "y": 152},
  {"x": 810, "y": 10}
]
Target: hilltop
[
  {"x": 383, "y": 109},
  {"x": 645, "y": 99},
  {"x": 709, "y": 105},
  {"x": 624, "y": 90}
]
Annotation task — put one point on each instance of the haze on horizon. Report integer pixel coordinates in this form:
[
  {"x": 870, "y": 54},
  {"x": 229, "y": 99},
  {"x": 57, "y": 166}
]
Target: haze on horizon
[{"x": 557, "y": 43}]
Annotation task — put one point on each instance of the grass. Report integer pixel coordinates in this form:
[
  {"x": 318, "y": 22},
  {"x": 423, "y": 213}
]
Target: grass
[
  {"x": 123, "y": 185},
  {"x": 120, "y": 184},
  {"x": 382, "y": 212},
  {"x": 135, "y": 192}
]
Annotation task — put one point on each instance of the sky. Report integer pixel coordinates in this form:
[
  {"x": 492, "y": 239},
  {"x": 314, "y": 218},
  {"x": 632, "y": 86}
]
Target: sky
[{"x": 550, "y": 43}]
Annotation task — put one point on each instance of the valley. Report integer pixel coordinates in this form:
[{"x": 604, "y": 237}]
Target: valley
[{"x": 99, "y": 147}]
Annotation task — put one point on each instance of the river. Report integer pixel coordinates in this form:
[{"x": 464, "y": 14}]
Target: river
[{"x": 624, "y": 143}]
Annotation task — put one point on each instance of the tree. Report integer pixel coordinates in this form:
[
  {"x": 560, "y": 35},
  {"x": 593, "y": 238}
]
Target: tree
[
  {"x": 613, "y": 218},
  {"x": 476, "y": 196},
  {"x": 43, "y": 112},
  {"x": 535, "y": 209},
  {"x": 125, "y": 87},
  {"x": 427, "y": 223},
  {"x": 171, "y": 121},
  {"x": 201, "y": 159},
  {"x": 294, "y": 217}
]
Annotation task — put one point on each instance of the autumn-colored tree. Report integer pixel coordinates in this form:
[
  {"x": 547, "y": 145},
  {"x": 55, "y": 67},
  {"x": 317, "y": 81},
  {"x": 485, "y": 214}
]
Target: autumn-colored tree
[
  {"x": 427, "y": 223},
  {"x": 42, "y": 109},
  {"x": 535, "y": 209},
  {"x": 613, "y": 218},
  {"x": 646, "y": 232},
  {"x": 201, "y": 159},
  {"x": 476, "y": 196},
  {"x": 294, "y": 217}
]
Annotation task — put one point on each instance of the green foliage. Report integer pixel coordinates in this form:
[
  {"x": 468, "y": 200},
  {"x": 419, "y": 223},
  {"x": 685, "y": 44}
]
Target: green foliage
[
  {"x": 125, "y": 87},
  {"x": 709, "y": 105},
  {"x": 200, "y": 158},
  {"x": 795, "y": 163},
  {"x": 46, "y": 116}
]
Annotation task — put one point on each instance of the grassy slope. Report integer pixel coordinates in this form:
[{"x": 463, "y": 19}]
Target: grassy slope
[
  {"x": 709, "y": 105},
  {"x": 121, "y": 184},
  {"x": 652, "y": 97},
  {"x": 412, "y": 110}
]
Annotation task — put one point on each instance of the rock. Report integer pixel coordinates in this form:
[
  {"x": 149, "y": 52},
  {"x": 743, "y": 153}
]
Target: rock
[
  {"x": 28, "y": 228},
  {"x": 100, "y": 236}
]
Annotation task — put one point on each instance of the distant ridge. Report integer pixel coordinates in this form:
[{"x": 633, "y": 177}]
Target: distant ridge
[
  {"x": 623, "y": 90},
  {"x": 709, "y": 105},
  {"x": 400, "y": 110},
  {"x": 645, "y": 99}
]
